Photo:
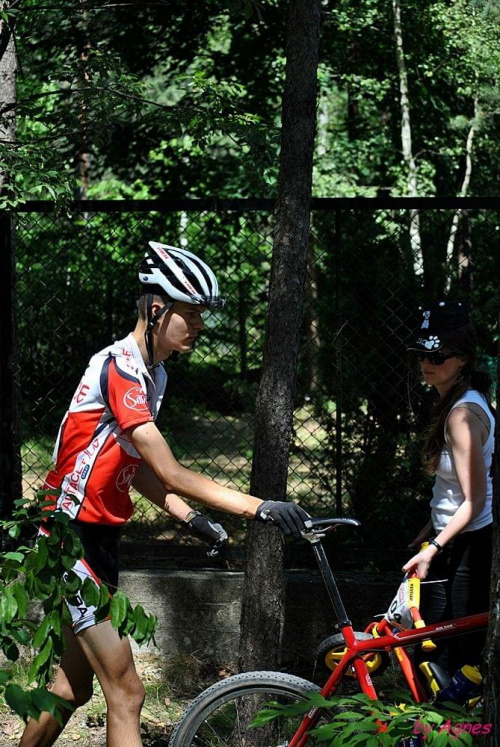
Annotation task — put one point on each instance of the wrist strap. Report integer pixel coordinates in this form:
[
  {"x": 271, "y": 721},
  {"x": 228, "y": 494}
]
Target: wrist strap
[
  {"x": 434, "y": 542},
  {"x": 191, "y": 516}
]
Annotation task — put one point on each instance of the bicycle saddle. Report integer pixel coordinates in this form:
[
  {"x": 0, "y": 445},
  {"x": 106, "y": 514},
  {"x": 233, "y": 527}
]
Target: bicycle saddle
[{"x": 332, "y": 522}]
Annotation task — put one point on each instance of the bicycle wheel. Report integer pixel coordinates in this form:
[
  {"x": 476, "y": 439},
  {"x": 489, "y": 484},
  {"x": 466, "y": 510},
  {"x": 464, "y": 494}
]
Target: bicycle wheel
[
  {"x": 220, "y": 715},
  {"x": 332, "y": 649}
]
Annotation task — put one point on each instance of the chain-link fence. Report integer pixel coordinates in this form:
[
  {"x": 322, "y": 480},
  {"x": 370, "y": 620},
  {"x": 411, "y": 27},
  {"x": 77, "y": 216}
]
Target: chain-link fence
[{"x": 358, "y": 403}]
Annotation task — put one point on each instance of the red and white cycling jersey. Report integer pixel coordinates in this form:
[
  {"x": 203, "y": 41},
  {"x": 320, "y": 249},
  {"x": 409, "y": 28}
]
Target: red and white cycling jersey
[{"x": 95, "y": 462}]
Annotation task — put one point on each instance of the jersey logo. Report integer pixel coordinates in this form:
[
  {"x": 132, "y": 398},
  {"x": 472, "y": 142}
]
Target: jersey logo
[
  {"x": 81, "y": 393},
  {"x": 135, "y": 399},
  {"x": 69, "y": 503},
  {"x": 124, "y": 479}
]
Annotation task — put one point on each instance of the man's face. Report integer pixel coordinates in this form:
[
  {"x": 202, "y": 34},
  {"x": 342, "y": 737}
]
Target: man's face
[{"x": 178, "y": 328}]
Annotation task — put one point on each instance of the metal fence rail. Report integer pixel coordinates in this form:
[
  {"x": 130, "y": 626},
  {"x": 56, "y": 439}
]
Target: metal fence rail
[{"x": 358, "y": 402}]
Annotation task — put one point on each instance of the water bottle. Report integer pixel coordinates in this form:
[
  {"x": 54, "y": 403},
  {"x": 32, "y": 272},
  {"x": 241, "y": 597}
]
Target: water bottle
[
  {"x": 465, "y": 684},
  {"x": 437, "y": 677}
]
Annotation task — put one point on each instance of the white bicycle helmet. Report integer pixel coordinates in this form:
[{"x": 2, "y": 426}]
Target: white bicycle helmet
[{"x": 182, "y": 277}]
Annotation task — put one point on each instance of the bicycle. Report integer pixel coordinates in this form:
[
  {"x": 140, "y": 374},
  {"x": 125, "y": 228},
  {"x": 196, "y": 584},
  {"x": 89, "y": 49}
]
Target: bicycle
[{"x": 219, "y": 715}]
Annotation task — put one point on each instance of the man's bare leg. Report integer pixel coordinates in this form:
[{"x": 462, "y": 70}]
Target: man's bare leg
[
  {"x": 73, "y": 683},
  {"x": 110, "y": 657},
  {"x": 100, "y": 650}
]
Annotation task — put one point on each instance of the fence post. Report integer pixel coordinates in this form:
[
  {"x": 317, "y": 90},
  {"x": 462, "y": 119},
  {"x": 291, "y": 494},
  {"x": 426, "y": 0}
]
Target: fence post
[{"x": 10, "y": 457}]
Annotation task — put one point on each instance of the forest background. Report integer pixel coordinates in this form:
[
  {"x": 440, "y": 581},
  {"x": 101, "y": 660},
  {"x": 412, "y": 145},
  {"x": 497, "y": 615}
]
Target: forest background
[
  {"x": 141, "y": 101},
  {"x": 145, "y": 101}
]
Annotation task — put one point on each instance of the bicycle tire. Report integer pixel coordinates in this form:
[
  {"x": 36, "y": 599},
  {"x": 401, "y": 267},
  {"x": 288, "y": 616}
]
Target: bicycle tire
[{"x": 213, "y": 719}]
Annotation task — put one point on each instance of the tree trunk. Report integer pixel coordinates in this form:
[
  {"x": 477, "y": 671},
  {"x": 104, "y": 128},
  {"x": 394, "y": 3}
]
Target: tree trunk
[
  {"x": 83, "y": 155},
  {"x": 352, "y": 98},
  {"x": 406, "y": 140},
  {"x": 459, "y": 216},
  {"x": 313, "y": 345},
  {"x": 262, "y": 602},
  {"x": 10, "y": 449},
  {"x": 492, "y": 655},
  {"x": 8, "y": 68}
]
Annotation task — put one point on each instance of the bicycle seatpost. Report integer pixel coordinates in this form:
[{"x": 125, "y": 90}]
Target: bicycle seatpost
[{"x": 330, "y": 583}]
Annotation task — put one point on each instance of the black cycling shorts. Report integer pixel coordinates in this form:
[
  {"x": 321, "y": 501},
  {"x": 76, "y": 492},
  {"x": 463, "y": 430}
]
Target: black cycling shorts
[{"x": 100, "y": 562}]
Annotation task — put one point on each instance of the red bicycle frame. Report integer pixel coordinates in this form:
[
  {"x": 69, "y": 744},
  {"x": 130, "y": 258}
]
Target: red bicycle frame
[{"x": 387, "y": 640}]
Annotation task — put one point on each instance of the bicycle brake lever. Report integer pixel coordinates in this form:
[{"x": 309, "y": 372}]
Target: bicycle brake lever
[
  {"x": 313, "y": 535},
  {"x": 216, "y": 549}
]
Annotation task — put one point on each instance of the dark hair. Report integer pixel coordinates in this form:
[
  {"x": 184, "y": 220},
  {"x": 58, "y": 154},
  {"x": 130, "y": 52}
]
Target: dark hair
[
  {"x": 468, "y": 378},
  {"x": 158, "y": 295}
]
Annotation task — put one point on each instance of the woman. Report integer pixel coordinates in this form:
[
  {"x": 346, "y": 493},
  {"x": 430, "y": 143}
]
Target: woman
[{"x": 458, "y": 450}]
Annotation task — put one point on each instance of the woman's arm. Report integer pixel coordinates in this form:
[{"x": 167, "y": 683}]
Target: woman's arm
[{"x": 465, "y": 436}]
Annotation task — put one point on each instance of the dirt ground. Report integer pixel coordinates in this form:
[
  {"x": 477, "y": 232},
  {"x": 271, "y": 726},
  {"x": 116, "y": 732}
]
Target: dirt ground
[{"x": 170, "y": 685}]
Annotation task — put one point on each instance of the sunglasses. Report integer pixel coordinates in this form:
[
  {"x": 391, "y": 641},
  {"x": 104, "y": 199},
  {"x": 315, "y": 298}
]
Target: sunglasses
[{"x": 435, "y": 359}]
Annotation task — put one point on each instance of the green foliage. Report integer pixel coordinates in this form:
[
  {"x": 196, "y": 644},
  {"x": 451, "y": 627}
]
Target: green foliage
[
  {"x": 362, "y": 721},
  {"x": 167, "y": 104},
  {"x": 140, "y": 92},
  {"x": 452, "y": 57},
  {"x": 41, "y": 574}
]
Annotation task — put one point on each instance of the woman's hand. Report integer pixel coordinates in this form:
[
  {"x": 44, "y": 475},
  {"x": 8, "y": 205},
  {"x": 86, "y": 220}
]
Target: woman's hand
[{"x": 420, "y": 562}]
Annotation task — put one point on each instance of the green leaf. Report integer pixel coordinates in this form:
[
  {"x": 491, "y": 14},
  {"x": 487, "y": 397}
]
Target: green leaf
[
  {"x": 68, "y": 562},
  {"x": 349, "y": 715},
  {"x": 5, "y": 676},
  {"x": 439, "y": 739},
  {"x": 42, "y": 553},
  {"x": 104, "y": 595},
  {"x": 118, "y": 609},
  {"x": 90, "y": 592},
  {"x": 16, "y": 556},
  {"x": 21, "y": 598},
  {"x": 19, "y": 701},
  {"x": 358, "y": 727},
  {"x": 43, "y": 699},
  {"x": 8, "y": 606},
  {"x": 37, "y": 670},
  {"x": 21, "y": 635},
  {"x": 47, "y": 701}
]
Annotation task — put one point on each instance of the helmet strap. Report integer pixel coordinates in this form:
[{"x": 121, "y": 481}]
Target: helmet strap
[{"x": 152, "y": 321}]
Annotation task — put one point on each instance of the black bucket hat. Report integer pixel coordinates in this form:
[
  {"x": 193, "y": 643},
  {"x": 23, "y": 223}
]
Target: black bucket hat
[{"x": 444, "y": 324}]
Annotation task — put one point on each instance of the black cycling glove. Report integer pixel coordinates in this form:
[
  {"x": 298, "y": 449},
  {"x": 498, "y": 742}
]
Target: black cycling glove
[
  {"x": 287, "y": 516},
  {"x": 201, "y": 526}
]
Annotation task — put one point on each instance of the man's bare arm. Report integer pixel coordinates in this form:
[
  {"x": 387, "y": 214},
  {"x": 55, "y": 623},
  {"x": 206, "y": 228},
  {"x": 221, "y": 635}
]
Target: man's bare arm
[
  {"x": 176, "y": 479},
  {"x": 148, "y": 485}
]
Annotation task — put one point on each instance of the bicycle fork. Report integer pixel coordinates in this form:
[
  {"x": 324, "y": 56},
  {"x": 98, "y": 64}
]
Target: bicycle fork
[{"x": 350, "y": 659}]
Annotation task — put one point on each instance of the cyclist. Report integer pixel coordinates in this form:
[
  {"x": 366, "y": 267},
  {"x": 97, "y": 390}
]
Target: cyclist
[
  {"x": 458, "y": 451},
  {"x": 108, "y": 441}
]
